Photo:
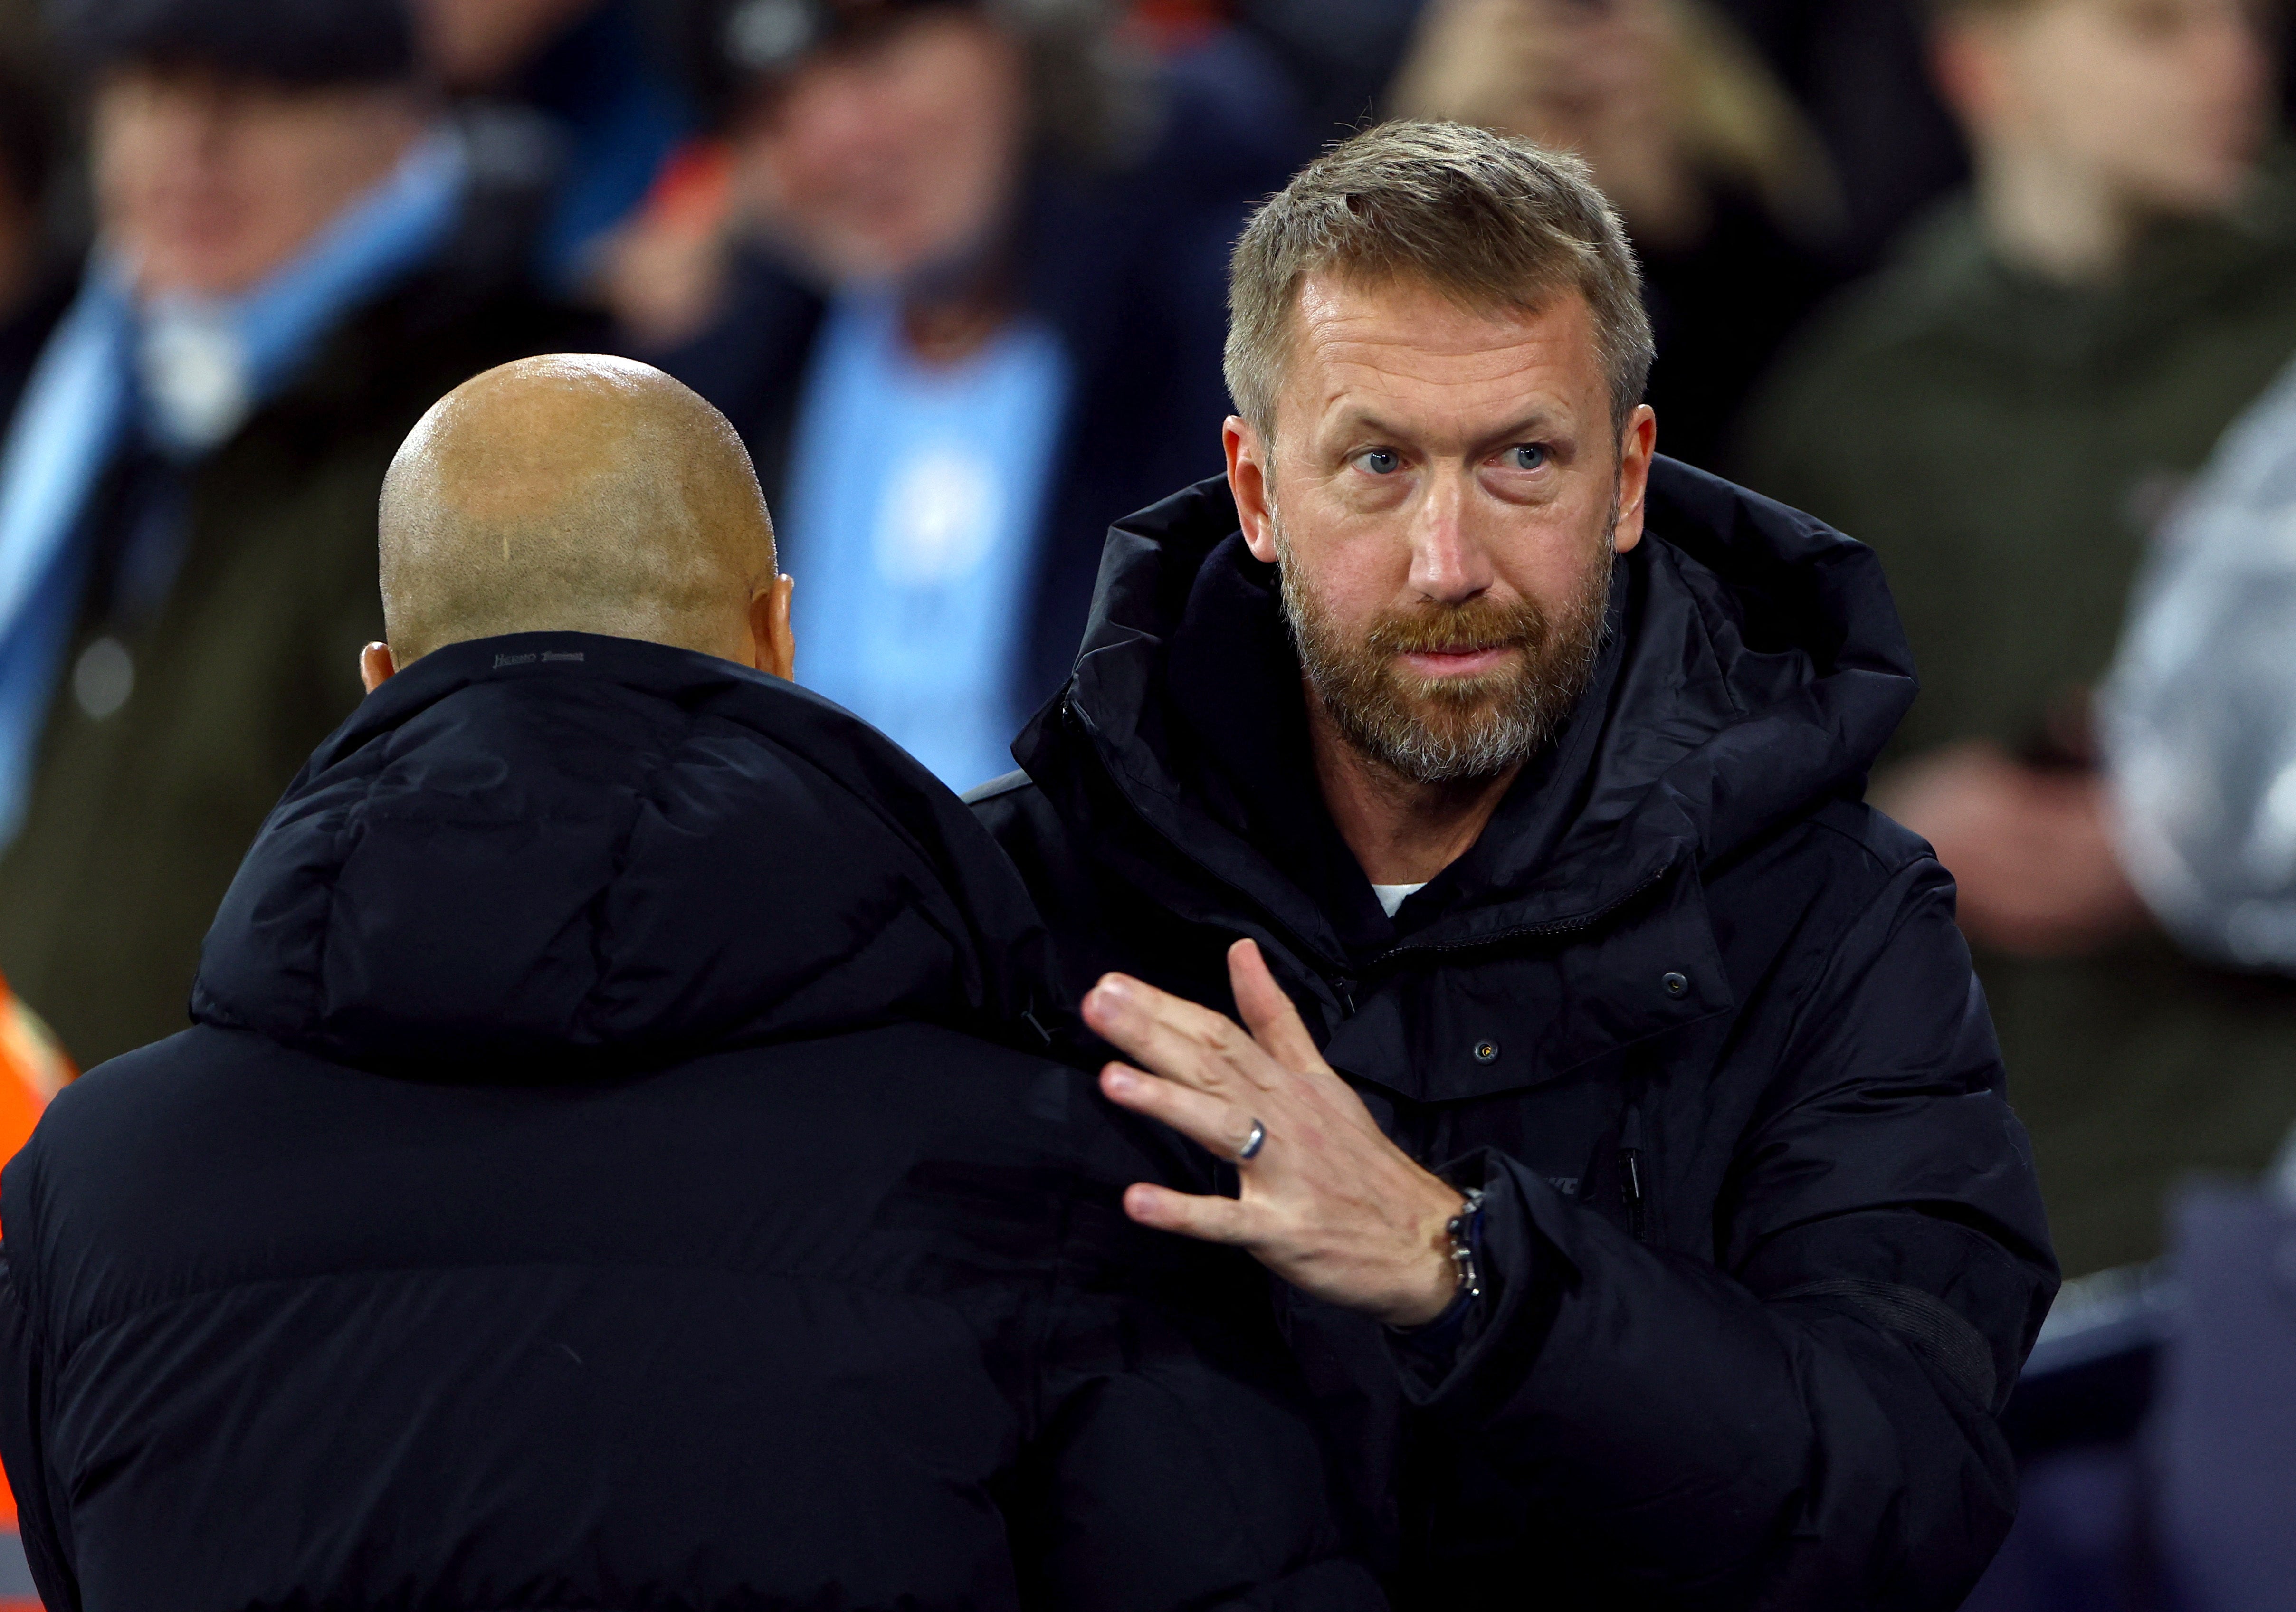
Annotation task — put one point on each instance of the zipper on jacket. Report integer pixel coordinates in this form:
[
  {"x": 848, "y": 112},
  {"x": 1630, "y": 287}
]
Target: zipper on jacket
[{"x": 1630, "y": 1169}]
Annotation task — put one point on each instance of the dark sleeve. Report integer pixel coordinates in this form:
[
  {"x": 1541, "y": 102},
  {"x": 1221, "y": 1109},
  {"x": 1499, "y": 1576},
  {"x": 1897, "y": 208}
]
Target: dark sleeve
[
  {"x": 1172, "y": 1460},
  {"x": 22, "y": 1447},
  {"x": 1811, "y": 1420},
  {"x": 1173, "y": 1477}
]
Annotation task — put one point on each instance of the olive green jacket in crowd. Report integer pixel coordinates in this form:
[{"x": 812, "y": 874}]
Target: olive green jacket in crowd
[
  {"x": 138, "y": 818},
  {"x": 2009, "y": 446}
]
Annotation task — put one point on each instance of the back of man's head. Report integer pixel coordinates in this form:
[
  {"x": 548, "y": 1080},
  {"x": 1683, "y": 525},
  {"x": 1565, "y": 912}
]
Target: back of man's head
[{"x": 575, "y": 493}]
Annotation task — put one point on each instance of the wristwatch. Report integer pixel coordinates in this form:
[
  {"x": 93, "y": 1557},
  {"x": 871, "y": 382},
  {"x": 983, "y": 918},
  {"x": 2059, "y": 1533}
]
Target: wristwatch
[{"x": 1464, "y": 1229}]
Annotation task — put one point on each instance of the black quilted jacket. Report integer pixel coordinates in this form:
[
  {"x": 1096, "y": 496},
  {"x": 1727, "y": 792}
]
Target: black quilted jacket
[{"x": 1766, "y": 1247}]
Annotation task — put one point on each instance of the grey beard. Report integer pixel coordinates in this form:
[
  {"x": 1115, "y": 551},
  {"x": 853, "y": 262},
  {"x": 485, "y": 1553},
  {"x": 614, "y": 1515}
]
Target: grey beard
[{"x": 1359, "y": 688}]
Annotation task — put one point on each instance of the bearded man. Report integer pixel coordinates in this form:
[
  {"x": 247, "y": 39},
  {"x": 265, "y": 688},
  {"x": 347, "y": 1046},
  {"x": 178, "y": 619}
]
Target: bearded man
[{"x": 1618, "y": 1101}]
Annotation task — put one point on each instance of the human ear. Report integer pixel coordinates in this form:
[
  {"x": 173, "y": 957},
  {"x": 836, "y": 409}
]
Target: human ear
[
  {"x": 376, "y": 667},
  {"x": 773, "y": 644},
  {"x": 1247, "y": 478},
  {"x": 1638, "y": 447}
]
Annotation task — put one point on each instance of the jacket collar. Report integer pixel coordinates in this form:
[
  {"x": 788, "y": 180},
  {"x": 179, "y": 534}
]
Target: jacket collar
[
  {"x": 1754, "y": 666},
  {"x": 545, "y": 853}
]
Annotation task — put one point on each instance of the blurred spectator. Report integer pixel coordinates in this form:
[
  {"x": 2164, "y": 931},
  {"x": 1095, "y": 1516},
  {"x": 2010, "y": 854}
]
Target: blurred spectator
[
  {"x": 34, "y": 288},
  {"x": 1860, "y": 70},
  {"x": 2005, "y": 414},
  {"x": 590, "y": 70},
  {"x": 1858, "y": 67},
  {"x": 2199, "y": 713},
  {"x": 1724, "y": 189},
  {"x": 33, "y": 295},
  {"x": 997, "y": 260},
  {"x": 297, "y": 255}
]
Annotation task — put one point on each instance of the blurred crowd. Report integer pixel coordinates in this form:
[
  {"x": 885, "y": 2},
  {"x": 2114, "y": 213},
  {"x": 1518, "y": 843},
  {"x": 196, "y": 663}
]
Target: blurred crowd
[{"x": 2003, "y": 288}]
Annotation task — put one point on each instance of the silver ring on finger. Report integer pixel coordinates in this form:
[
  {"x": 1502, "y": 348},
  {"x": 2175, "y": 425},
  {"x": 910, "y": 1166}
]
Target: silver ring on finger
[{"x": 1252, "y": 1143}]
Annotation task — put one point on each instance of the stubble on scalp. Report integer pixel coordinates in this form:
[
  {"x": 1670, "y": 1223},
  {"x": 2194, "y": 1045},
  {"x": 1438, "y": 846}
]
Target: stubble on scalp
[
  {"x": 572, "y": 492},
  {"x": 1452, "y": 729}
]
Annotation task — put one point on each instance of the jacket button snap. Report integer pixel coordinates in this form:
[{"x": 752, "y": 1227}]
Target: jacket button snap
[
  {"x": 1486, "y": 1052},
  {"x": 1676, "y": 983}
]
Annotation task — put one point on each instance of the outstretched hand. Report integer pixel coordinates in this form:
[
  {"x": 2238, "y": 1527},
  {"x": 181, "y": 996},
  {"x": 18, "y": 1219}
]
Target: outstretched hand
[{"x": 1329, "y": 1204}]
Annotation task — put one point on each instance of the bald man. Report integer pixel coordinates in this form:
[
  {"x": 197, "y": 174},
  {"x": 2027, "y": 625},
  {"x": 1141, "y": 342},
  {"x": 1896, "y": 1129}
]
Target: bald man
[
  {"x": 603, "y": 1171},
  {"x": 585, "y": 494}
]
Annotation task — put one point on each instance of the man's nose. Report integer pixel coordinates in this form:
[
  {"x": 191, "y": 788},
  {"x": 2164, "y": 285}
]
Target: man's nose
[{"x": 1449, "y": 563}]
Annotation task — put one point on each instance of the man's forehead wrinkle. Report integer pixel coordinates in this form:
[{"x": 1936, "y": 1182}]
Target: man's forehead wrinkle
[
  {"x": 1423, "y": 310},
  {"x": 1383, "y": 383},
  {"x": 1399, "y": 366},
  {"x": 1409, "y": 356}
]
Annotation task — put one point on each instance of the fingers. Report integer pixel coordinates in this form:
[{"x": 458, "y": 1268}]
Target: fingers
[
  {"x": 1268, "y": 1013},
  {"x": 1210, "y": 1122},
  {"x": 1176, "y": 1039},
  {"x": 1210, "y": 1219}
]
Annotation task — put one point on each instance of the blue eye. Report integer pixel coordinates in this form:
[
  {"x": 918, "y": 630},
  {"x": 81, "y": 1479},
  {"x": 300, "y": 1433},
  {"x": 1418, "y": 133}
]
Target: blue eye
[
  {"x": 1379, "y": 461},
  {"x": 1527, "y": 456}
]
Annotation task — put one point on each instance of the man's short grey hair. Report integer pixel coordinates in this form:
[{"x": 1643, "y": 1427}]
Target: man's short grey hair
[{"x": 1490, "y": 221}]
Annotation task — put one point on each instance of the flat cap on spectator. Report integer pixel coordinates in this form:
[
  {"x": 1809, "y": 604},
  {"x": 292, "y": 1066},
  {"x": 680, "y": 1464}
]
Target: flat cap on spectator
[{"x": 307, "y": 42}]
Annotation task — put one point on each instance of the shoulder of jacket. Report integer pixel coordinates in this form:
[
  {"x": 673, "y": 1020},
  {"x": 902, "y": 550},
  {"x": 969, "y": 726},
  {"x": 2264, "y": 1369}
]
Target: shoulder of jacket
[
  {"x": 111, "y": 1118},
  {"x": 162, "y": 1078},
  {"x": 1887, "y": 844},
  {"x": 1016, "y": 812},
  {"x": 1034, "y": 836},
  {"x": 1857, "y": 854}
]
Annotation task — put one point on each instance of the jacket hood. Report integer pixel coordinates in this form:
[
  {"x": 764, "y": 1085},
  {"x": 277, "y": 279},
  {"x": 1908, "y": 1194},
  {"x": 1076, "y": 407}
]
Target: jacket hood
[
  {"x": 1754, "y": 666},
  {"x": 528, "y": 855}
]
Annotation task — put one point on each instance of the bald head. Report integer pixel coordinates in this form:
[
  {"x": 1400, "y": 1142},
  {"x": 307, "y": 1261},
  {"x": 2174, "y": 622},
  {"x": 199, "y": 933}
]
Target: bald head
[{"x": 576, "y": 493}]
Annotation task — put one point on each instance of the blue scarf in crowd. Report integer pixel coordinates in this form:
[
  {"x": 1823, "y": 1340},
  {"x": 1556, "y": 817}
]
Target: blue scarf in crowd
[{"x": 187, "y": 373}]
